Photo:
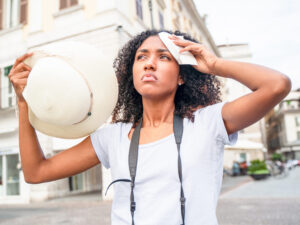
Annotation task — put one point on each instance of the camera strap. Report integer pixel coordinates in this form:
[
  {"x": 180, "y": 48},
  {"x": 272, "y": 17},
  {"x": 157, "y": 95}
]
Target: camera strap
[{"x": 133, "y": 159}]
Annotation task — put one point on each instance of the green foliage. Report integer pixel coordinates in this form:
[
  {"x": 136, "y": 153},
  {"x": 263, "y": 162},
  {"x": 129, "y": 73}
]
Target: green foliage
[
  {"x": 261, "y": 172},
  {"x": 277, "y": 156},
  {"x": 258, "y": 167}
]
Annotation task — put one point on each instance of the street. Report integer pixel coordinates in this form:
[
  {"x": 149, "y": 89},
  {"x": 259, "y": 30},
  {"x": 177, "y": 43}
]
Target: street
[
  {"x": 272, "y": 201},
  {"x": 242, "y": 202}
]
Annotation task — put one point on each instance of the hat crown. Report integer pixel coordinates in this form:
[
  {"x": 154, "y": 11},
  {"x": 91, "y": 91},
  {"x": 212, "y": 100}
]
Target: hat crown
[
  {"x": 60, "y": 88},
  {"x": 71, "y": 89}
]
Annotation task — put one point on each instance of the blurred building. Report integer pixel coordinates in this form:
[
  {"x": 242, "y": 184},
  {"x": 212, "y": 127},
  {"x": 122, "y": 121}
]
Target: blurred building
[
  {"x": 28, "y": 24},
  {"x": 283, "y": 127},
  {"x": 250, "y": 144}
]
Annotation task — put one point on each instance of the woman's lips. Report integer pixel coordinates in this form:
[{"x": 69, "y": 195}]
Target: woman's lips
[{"x": 149, "y": 77}]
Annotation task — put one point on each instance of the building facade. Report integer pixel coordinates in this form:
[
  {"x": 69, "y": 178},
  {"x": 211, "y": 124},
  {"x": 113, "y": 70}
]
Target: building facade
[
  {"x": 26, "y": 25},
  {"x": 251, "y": 143},
  {"x": 283, "y": 127}
]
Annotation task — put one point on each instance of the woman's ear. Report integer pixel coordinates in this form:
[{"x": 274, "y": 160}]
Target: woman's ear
[{"x": 180, "y": 81}]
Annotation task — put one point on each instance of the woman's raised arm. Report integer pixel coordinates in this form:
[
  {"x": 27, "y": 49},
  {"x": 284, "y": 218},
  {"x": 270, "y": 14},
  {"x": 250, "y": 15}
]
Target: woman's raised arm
[
  {"x": 36, "y": 167},
  {"x": 269, "y": 86}
]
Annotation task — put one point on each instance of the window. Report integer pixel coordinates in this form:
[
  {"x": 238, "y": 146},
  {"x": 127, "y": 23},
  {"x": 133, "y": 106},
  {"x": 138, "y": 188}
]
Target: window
[
  {"x": 13, "y": 13},
  {"x": 1, "y": 14},
  {"x": 9, "y": 175},
  {"x": 23, "y": 11},
  {"x": 139, "y": 9},
  {"x": 7, "y": 92},
  {"x": 243, "y": 157},
  {"x": 297, "y": 121},
  {"x": 1, "y": 177},
  {"x": 12, "y": 175},
  {"x": 298, "y": 135},
  {"x": 63, "y": 4},
  {"x": 176, "y": 20},
  {"x": 76, "y": 182},
  {"x": 179, "y": 7},
  {"x": 161, "y": 20}
]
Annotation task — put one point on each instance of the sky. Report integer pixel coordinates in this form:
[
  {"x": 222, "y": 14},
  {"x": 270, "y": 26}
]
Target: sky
[{"x": 270, "y": 27}]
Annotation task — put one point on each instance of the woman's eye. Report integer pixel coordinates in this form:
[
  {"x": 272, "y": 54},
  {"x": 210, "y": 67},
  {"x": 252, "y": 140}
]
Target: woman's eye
[
  {"x": 165, "y": 57},
  {"x": 140, "y": 56}
]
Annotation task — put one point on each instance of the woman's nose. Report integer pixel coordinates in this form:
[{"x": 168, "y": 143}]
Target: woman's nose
[{"x": 150, "y": 64}]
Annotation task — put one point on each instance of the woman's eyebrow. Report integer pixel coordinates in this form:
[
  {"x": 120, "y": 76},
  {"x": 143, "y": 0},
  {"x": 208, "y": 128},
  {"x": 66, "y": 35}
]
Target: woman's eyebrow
[{"x": 158, "y": 50}]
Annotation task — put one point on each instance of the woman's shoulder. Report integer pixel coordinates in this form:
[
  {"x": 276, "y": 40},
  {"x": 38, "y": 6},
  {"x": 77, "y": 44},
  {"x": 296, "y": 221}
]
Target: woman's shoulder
[
  {"x": 209, "y": 110},
  {"x": 112, "y": 127},
  {"x": 210, "y": 105}
]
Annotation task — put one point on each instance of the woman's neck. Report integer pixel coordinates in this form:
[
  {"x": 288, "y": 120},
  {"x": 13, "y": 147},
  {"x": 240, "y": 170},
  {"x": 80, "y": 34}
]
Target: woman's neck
[{"x": 156, "y": 113}]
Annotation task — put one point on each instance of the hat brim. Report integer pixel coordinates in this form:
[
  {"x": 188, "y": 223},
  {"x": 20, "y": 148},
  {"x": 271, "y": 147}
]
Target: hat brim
[{"x": 102, "y": 81}]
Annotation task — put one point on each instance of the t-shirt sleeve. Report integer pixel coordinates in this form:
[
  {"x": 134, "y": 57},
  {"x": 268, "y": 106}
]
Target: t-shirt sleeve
[
  {"x": 215, "y": 114},
  {"x": 100, "y": 141}
]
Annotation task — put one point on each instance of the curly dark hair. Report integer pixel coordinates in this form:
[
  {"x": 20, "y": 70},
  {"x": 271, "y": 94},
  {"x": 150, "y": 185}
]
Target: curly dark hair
[{"x": 199, "y": 89}]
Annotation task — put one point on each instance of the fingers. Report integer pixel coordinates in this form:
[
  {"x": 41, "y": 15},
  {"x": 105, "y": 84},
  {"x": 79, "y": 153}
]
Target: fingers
[
  {"x": 192, "y": 48},
  {"x": 187, "y": 45},
  {"x": 21, "y": 75},
  {"x": 15, "y": 79},
  {"x": 23, "y": 82},
  {"x": 21, "y": 59},
  {"x": 20, "y": 82},
  {"x": 22, "y": 67},
  {"x": 180, "y": 42}
]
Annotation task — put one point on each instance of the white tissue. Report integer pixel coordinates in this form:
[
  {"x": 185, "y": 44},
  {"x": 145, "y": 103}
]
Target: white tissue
[{"x": 181, "y": 58}]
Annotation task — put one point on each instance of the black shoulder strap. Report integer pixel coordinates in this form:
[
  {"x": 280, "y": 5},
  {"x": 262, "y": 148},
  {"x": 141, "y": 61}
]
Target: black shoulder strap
[
  {"x": 132, "y": 162},
  {"x": 133, "y": 159},
  {"x": 133, "y": 150},
  {"x": 178, "y": 130}
]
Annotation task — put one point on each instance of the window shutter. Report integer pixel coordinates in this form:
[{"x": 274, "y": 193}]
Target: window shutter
[
  {"x": 23, "y": 11},
  {"x": 74, "y": 2},
  {"x": 63, "y": 4},
  {"x": 1, "y": 14},
  {"x": 139, "y": 9}
]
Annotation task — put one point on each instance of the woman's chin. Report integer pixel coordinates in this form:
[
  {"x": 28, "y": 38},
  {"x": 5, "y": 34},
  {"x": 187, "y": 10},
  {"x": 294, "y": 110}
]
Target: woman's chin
[{"x": 152, "y": 95}]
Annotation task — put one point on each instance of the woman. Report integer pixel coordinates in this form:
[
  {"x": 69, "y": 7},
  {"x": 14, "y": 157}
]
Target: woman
[{"x": 170, "y": 187}]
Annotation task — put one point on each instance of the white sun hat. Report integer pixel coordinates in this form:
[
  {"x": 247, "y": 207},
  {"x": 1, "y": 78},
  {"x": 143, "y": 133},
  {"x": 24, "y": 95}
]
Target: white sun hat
[{"x": 71, "y": 89}]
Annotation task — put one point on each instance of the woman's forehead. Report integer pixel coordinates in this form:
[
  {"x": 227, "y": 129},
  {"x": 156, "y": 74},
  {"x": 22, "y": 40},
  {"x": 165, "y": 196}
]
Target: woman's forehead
[{"x": 152, "y": 42}]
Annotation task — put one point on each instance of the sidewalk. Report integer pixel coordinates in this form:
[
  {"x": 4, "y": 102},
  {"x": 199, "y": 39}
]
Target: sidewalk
[
  {"x": 230, "y": 183},
  {"x": 77, "y": 209}
]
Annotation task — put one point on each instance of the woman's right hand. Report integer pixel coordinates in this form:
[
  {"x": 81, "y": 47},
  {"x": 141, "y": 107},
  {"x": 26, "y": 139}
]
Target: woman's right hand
[{"x": 18, "y": 75}]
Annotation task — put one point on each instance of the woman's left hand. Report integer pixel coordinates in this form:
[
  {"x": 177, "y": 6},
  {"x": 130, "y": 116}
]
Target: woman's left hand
[{"x": 206, "y": 60}]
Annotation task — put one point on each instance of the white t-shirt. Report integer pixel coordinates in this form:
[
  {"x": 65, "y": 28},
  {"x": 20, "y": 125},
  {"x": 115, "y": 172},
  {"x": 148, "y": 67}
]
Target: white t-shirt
[{"x": 157, "y": 185}]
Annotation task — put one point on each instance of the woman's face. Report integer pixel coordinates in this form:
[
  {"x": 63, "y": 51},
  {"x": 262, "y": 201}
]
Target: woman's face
[{"x": 155, "y": 71}]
